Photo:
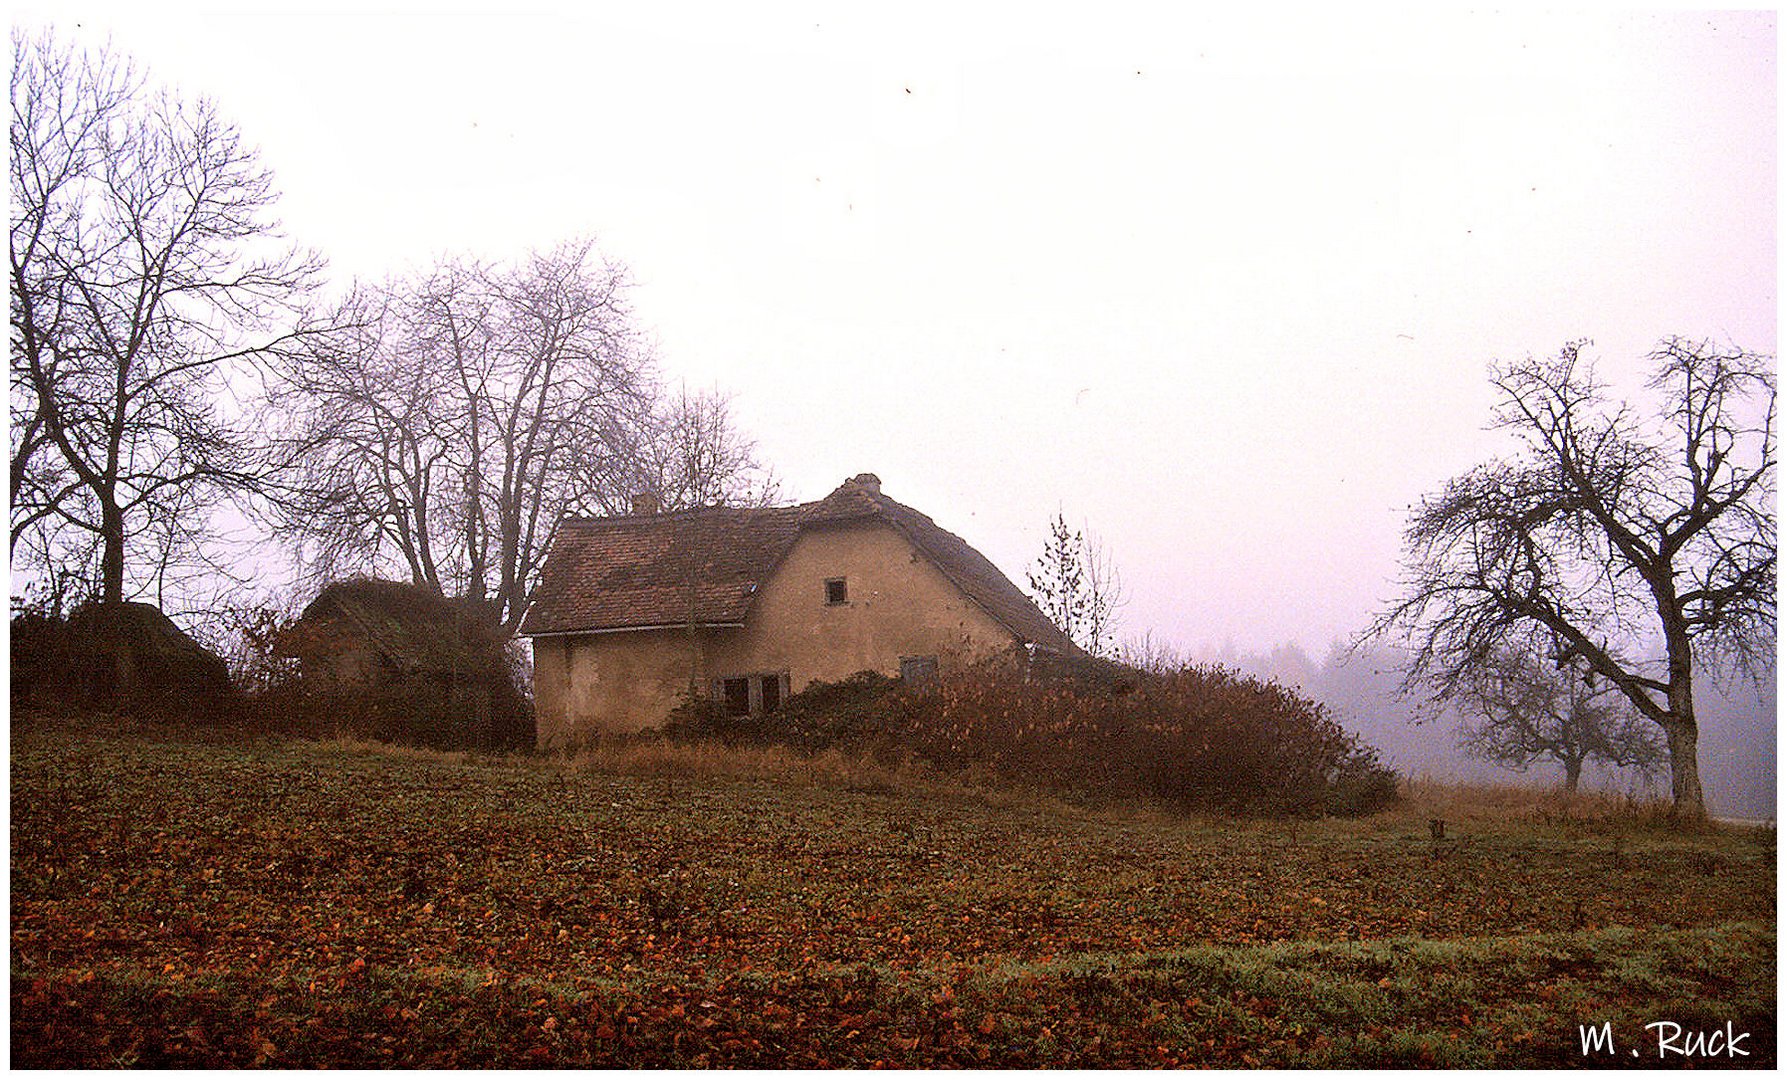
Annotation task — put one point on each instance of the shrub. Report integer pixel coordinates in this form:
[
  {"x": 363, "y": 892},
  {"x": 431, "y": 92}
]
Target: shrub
[
  {"x": 1194, "y": 737},
  {"x": 850, "y": 714}
]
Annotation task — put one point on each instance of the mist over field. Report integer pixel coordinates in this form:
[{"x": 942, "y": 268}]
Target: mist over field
[{"x": 1737, "y": 728}]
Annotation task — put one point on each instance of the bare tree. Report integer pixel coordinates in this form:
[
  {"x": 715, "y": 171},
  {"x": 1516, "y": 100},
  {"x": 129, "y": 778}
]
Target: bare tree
[
  {"x": 147, "y": 275},
  {"x": 457, "y": 418},
  {"x": 696, "y": 456},
  {"x": 567, "y": 390},
  {"x": 1519, "y": 709},
  {"x": 1634, "y": 545},
  {"x": 1077, "y": 586},
  {"x": 361, "y": 451},
  {"x": 1152, "y": 655},
  {"x": 1105, "y": 598}
]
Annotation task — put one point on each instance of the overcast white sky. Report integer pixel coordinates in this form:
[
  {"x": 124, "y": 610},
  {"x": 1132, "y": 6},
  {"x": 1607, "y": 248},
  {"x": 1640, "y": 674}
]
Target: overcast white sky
[{"x": 1223, "y": 288}]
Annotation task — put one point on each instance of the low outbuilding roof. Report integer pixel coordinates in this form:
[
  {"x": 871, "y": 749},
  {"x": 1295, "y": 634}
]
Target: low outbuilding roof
[{"x": 412, "y": 628}]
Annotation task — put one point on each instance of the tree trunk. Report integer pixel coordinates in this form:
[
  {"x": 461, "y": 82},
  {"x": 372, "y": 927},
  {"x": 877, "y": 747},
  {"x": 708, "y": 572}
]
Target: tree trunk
[
  {"x": 111, "y": 559},
  {"x": 1680, "y": 724},
  {"x": 1684, "y": 772},
  {"x": 1572, "y": 775}
]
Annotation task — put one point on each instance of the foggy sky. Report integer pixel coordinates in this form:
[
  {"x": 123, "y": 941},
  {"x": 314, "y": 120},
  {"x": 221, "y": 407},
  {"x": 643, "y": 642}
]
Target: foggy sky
[{"x": 1222, "y": 289}]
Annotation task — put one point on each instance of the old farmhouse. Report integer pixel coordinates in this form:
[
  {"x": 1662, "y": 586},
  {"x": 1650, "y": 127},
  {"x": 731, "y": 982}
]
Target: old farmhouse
[{"x": 749, "y": 605}]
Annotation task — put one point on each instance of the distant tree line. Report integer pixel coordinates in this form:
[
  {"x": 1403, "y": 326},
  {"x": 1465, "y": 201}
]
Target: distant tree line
[{"x": 172, "y": 359}]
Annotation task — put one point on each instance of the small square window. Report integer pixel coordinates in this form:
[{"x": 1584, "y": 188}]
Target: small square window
[{"x": 835, "y": 592}]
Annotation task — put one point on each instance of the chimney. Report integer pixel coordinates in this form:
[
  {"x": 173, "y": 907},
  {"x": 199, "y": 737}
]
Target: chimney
[
  {"x": 868, "y": 480},
  {"x": 645, "y": 503}
]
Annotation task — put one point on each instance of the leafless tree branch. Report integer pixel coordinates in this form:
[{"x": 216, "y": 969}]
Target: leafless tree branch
[
  {"x": 1635, "y": 547},
  {"x": 147, "y": 273},
  {"x": 452, "y": 421}
]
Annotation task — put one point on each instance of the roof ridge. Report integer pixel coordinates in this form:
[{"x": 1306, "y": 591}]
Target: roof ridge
[{"x": 664, "y": 515}]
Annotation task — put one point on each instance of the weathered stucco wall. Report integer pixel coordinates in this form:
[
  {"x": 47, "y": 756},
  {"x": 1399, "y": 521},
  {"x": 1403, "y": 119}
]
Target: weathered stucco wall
[
  {"x": 609, "y": 684},
  {"x": 897, "y": 605}
]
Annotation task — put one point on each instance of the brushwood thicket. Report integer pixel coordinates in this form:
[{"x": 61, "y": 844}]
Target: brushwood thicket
[{"x": 1197, "y": 737}]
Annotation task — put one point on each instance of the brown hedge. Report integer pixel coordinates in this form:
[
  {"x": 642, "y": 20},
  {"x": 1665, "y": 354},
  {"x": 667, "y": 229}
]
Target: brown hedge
[{"x": 1197, "y": 737}]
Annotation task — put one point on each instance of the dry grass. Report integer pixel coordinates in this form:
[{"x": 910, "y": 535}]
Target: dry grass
[
  {"x": 903, "y": 775},
  {"x": 656, "y": 757},
  {"x": 693, "y": 762},
  {"x": 351, "y": 744},
  {"x": 1423, "y": 799},
  {"x": 659, "y": 757},
  {"x": 1484, "y": 803}
]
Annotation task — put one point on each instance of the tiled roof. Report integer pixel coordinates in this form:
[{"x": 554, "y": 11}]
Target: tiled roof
[
  {"x": 689, "y": 566},
  {"x": 703, "y": 566}
]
